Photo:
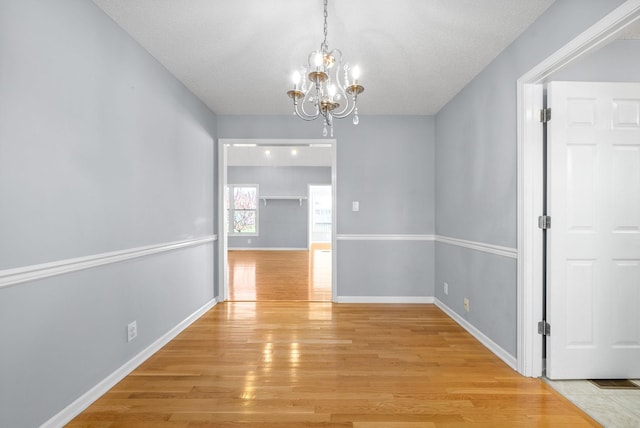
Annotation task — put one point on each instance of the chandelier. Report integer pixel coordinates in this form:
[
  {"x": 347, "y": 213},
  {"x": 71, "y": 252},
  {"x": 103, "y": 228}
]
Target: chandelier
[{"x": 326, "y": 90}]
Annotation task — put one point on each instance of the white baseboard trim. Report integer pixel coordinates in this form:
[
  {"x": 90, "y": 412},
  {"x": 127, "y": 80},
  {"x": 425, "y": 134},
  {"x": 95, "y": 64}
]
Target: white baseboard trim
[
  {"x": 509, "y": 359},
  {"x": 384, "y": 299},
  {"x": 266, "y": 249},
  {"x": 10, "y": 277},
  {"x": 85, "y": 400}
]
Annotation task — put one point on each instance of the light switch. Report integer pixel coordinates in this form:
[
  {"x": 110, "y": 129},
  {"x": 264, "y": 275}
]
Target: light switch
[{"x": 355, "y": 206}]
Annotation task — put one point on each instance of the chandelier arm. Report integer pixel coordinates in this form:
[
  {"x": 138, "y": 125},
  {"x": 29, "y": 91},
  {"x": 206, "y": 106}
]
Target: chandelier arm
[
  {"x": 337, "y": 55},
  {"x": 300, "y": 111},
  {"x": 342, "y": 114},
  {"x": 345, "y": 110},
  {"x": 307, "y": 119},
  {"x": 318, "y": 96},
  {"x": 341, "y": 82},
  {"x": 349, "y": 105}
]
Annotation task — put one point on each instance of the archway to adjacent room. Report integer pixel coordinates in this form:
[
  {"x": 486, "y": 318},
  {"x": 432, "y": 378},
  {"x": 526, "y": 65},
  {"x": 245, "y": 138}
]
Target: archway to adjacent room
[{"x": 264, "y": 198}]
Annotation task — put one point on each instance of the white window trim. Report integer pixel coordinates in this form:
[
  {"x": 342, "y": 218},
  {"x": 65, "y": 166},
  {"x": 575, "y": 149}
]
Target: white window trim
[{"x": 230, "y": 210}]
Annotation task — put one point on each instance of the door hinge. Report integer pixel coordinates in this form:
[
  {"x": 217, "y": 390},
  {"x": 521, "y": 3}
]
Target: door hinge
[
  {"x": 544, "y": 328},
  {"x": 544, "y": 222},
  {"x": 545, "y": 115}
]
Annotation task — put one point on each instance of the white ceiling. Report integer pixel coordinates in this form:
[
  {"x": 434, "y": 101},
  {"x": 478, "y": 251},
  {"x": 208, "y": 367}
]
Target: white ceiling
[
  {"x": 278, "y": 156},
  {"x": 237, "y": 56}
]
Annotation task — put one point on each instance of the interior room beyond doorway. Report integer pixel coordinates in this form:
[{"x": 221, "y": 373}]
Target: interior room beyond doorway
[{"x": 278, "y": 199}]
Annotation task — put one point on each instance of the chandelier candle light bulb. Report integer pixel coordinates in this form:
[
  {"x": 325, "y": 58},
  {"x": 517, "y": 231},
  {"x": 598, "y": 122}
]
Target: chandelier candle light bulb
[
  {"x": 355, "y": 73},
  {"x": 329, "y": 93},
  {"x": 296, "y": 79},
  {"x": 332, "y": 92}
]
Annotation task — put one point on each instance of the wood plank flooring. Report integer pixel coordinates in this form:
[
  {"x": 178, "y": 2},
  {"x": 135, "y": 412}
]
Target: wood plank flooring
[
  {"x": 280, "y": 275},
  {"x": 318, "y": 364}
]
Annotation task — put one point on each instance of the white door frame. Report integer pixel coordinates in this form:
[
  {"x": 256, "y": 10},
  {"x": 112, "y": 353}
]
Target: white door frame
[
  {"x": 529, "y": 102},
  {"x": 223, "y": 143}
]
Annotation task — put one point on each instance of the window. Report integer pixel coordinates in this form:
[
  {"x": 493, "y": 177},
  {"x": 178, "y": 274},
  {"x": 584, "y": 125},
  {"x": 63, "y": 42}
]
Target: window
[{"x": 242, "y": 210}]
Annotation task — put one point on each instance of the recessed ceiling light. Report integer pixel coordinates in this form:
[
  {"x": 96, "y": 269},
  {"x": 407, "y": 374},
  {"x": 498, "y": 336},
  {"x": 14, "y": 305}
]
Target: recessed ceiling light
[
  {"x": 294, "y": 152},
  {"x": 267, "y": 152}
]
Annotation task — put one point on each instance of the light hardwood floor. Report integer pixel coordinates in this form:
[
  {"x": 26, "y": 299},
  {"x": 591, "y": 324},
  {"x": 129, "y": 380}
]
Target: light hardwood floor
[
  {"x": 313, "y": 364},
  {"x": 280, "y": 275},
  {"x": 317, "y": 364}
]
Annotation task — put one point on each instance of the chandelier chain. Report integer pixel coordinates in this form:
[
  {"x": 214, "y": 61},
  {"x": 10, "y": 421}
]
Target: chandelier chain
[{"x": 325, "y": 46}]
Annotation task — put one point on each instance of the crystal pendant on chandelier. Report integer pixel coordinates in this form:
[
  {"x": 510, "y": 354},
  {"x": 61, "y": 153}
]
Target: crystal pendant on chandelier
[{"x": 325, "y": 86}]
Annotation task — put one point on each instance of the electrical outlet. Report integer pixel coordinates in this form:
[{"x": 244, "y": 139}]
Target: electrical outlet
[
  {"x": 132, "y": 331},
  {"x": 446, "y": 288},
  {"x": 466, "y": 304},
  {"x": 249, "y": 241}
]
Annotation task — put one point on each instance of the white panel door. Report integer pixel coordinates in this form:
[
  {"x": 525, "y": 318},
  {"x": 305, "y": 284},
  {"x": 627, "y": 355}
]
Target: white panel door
[{"x": 593, "y": 245}]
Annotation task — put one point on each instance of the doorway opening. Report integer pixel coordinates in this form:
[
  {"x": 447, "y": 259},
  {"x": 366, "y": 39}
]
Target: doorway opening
[
  {"x": 274, "y": 245},
  {"x": 530, "y": 173}
]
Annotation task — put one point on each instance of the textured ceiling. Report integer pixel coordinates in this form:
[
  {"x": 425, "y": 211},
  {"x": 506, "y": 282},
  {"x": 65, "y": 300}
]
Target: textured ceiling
[{"x": 237, "y": 56}]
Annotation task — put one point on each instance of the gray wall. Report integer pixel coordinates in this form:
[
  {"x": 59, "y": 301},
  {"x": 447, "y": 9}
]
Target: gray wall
[
  {"x": 387, "y": 164},
  {"x": 101, "y": 149},
  {"x": 393, "y": 268},
  {"x": 619, "y": 61},
  {"x": 282, "y": 223},
  {"x": 476, "y": 171}
]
